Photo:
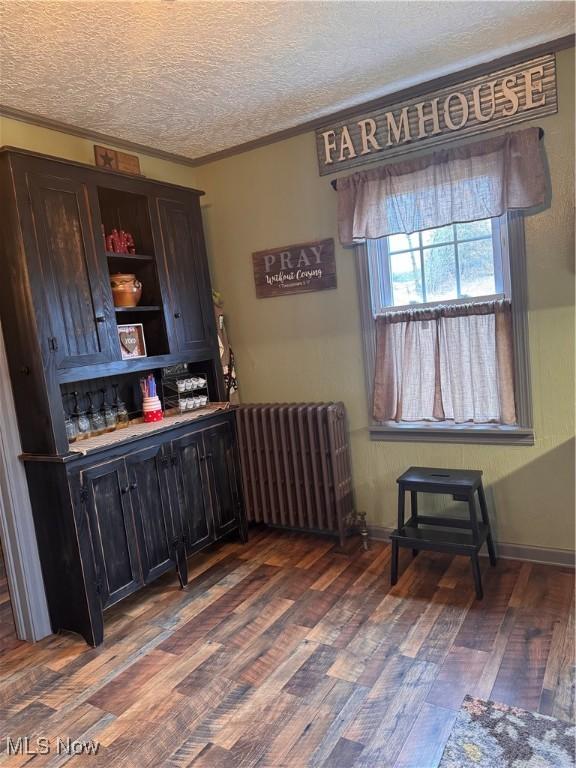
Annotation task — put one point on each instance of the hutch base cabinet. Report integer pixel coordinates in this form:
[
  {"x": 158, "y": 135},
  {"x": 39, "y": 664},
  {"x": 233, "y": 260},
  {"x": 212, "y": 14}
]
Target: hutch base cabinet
[{"x": 111, "y": 520}]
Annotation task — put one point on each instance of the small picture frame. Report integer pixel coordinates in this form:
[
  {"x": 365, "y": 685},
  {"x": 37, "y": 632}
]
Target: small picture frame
[{"x": 132, "y": 343}]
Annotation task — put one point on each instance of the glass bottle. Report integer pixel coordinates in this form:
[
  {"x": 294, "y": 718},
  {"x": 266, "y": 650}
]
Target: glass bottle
[
  {"x": 122, "y": 417},
  {"x": 70, "y": 424},
  {"x": 97, "y": 423},
  {"x": 108, "y": 412},
  {"x": 82, "y": 420}
]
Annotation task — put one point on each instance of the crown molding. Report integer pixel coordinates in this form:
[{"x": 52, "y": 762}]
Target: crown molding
[
  {"x": 484, "y": 67},
  {"x": 100, "y": 138}
]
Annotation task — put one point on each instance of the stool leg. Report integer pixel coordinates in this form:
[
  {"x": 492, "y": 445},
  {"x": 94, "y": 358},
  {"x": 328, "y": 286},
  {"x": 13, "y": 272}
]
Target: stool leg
[
  {"x": 476, "y": 539},
  {"x": 473, "y": 519},
  {"x": 486, "y": 521},
  {"x": 414, "y": 512},
  {"x": 395, "y": 546},
  {"x": 401, "y": 506},
  {"x": 394, "y": 564},
  {"x": 477, "y": 576}
]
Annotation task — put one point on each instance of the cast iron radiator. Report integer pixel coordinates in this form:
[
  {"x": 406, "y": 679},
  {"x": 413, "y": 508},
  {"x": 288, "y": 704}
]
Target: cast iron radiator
[{"x": 296, "y": 466}]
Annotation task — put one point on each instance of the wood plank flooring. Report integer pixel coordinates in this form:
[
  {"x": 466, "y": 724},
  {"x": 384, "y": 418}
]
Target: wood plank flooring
[{"x": 285, "y": 652}]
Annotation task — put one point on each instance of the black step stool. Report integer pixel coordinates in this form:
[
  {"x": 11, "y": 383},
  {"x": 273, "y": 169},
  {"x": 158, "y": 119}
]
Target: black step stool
[{"x": 461, "y": 484}]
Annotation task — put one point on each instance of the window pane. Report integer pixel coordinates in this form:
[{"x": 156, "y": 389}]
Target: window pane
[
  {"x": 406, "y": 278},
  {"x": 402, "y": 242},
  {"x": 481, "y": 228},
  {"x": 476, "y": 268},
  {"x": 438, "y": 236},
  {"x": 440, "y": 273}
]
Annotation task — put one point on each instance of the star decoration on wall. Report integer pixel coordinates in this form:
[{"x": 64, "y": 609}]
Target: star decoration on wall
[{"x": 106, "y": 160}]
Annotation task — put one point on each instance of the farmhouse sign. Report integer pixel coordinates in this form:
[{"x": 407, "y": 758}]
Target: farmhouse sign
[
  {"x": 520, "y": 92},
  {"x": 295, "y": 269}
]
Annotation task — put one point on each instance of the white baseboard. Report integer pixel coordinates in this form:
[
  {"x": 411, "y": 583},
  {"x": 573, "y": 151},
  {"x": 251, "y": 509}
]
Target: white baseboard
[{"x": 563, "y": 557}]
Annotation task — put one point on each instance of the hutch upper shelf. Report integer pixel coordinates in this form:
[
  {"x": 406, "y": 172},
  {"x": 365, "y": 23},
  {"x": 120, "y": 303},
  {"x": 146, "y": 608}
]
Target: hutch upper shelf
[{"x": 59, "y": 317}]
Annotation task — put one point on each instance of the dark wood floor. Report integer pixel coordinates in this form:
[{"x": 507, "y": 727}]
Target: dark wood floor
[{"x": 285, "y": 653}]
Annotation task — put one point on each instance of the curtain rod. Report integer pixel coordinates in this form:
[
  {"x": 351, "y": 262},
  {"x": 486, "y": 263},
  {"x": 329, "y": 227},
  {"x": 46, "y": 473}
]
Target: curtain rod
[{"x": 334, "y": 182}]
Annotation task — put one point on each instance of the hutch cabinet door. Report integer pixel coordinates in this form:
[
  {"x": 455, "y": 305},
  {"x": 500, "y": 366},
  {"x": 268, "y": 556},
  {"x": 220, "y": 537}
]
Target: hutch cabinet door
[
  {"x": 186, "y": 275},
  {"x": 74, "y": 282},
  {"x": 220, "y": 452},
  {"x": 106, "y": 492},
  {"x": 157, "y": 535},
  {"x": 192, "y": 489}
]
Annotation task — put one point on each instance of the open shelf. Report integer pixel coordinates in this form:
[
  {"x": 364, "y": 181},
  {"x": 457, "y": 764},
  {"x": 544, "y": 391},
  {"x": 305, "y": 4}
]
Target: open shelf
[
  {"x": 128, "y": 211},
  {"x": 151, "y": 308},
  {"x": 439, "y": 540},
  {"x": 129, "y": 256}
]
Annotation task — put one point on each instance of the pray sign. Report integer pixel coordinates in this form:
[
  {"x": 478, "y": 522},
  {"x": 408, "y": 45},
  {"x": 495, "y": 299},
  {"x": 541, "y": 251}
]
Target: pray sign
[{"x": 295, "y": 269}]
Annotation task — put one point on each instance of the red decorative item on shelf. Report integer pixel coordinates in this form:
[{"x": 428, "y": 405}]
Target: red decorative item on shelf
[
  {"x": 130, "y": 243},
  {"x": 120, "y": 242}
]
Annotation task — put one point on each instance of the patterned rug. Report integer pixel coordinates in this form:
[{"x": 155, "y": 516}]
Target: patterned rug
[{"x": 491, "y": 735}]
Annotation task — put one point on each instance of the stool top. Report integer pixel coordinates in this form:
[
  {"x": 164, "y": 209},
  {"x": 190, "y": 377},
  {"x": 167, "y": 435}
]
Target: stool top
[{"x": 430, "y": 476}]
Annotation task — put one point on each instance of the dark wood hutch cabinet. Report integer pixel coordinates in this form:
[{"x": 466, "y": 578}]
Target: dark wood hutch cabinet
[{"x": 115, "y": 519}]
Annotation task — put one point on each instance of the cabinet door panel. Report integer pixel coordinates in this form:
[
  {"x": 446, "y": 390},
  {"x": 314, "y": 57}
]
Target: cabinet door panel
[
  {"x": 147, "y": 470},
  {"x": 77, "y": 301},
  {"x": 219, "y": 442},
  {"x": 185, "y": 274},
  {"x": 192, "y": 490},
  {"x": 112, "y": 530}
]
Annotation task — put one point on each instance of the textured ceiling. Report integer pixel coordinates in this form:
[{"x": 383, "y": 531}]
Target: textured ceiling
[{"x": 193, "y": 77}]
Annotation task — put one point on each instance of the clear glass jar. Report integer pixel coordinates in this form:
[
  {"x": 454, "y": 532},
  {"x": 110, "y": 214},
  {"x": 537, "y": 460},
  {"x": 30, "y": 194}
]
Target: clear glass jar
[
  {"x": 81, "y": 418},
  {"x": 83, "y": 423},
  {"x": 71, "y": 428},
  {"x": 109, "y": 412},
  {"x": 97, "y": 423},
  {"x": 122, "y": 416}
]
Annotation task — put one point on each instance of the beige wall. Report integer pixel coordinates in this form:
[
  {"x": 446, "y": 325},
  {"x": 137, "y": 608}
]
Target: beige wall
[
  {"x": 308, "y": 347},
  {"x": 14, "y": 133}
]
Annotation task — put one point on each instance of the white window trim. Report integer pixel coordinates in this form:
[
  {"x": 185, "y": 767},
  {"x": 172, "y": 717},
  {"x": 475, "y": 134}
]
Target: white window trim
[{"x": 512, "y": 240}]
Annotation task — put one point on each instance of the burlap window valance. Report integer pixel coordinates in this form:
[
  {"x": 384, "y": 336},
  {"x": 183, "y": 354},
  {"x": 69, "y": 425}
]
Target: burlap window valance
[{"x": 475, "y": 181}]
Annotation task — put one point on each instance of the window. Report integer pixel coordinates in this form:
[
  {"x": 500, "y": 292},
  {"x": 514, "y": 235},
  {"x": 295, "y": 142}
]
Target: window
[
  {"x": 427, "y": 275},
  {"x": 459, "y": 262}
]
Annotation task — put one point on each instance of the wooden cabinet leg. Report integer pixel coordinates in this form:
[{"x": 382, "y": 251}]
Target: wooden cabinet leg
[
  {"x": 181, "y": 564},
  {"x": 94, "y": 634}
]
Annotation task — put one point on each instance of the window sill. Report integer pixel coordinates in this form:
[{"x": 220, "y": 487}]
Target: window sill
[{"x": 423, "y": 432}]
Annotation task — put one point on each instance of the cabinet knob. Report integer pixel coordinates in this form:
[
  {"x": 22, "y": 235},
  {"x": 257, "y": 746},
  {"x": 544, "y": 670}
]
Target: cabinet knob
[
  {"x": 100, "y": 319},
  {"x": 126, "y": 489},
  {"x": 177, "y": 315},
  {"x": 133, "y": 486}
]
